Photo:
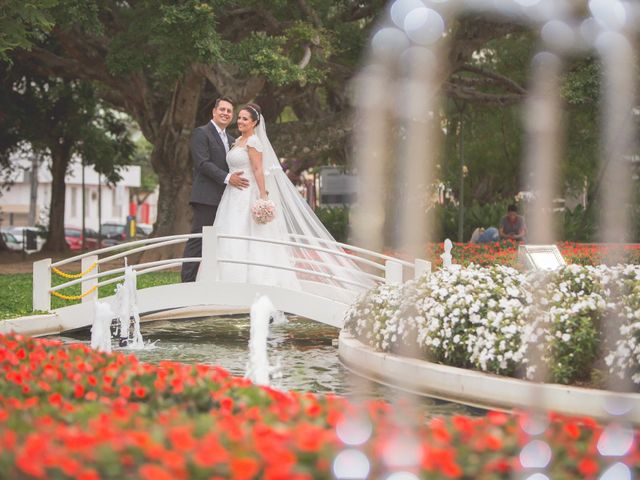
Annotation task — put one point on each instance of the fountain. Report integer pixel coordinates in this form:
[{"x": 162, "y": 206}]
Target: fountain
[{"x": 258, "y": 369}]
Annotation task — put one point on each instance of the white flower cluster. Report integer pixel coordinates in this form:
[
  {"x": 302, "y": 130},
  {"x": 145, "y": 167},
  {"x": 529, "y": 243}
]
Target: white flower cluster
[
  {"x": 471, "y": 317},
  {"x": 564, "y": 323},
  {"x": 498, "y": 320},
  {"x": 624, "y": 358},
  {"x": 372, "y": 316}
]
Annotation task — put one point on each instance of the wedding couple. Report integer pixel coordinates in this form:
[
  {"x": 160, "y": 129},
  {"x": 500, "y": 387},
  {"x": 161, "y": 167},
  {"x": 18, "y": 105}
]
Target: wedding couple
[{"x": 229, "y": 176}]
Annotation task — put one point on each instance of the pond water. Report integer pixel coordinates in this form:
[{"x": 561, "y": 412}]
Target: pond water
[{"x": 305, "y": 351}]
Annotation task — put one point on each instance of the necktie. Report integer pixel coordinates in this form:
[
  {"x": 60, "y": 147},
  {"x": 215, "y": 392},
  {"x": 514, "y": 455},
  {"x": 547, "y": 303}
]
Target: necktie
[{"x": 223, "y": 135}]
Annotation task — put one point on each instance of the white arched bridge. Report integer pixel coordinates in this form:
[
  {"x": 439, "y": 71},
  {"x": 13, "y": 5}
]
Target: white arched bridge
[{"x": 322, "y": 296}]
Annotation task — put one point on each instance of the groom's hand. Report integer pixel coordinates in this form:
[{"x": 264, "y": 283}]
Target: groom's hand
[{"x": 237, "y": 180}]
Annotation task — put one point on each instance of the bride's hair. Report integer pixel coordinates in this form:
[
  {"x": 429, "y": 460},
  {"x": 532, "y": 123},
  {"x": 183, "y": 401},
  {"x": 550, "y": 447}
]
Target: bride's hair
[{"x": 254, "y": 110}]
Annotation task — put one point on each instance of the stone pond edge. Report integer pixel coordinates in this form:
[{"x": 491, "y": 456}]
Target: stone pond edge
[{"x": 479, "y": 389}]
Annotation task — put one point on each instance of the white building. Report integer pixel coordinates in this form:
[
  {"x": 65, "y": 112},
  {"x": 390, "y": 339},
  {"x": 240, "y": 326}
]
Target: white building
[{"x": 14, "y": 202}]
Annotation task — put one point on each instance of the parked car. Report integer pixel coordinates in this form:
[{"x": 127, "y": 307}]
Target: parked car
[
  {"x": 18, "y": 233},
  {"x": 114, "y": 231},
  {"x": 11, "y": 241},
  {"x": 144, "y": 229},
  {"x": 73, "y": 236},
  {"x": 117, "y": 232}
]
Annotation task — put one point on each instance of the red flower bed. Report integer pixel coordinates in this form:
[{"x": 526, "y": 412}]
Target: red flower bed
[
  {"x": 71, "y": 412},
  {"x": 506, "y": 253}
]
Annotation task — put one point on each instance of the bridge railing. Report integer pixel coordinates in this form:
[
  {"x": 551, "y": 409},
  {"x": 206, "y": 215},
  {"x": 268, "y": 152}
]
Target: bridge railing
[{"x": 94, "y": 275}]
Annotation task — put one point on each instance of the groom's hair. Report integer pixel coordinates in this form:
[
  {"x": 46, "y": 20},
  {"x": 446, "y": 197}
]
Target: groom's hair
[{"x": 224, "y": 99}]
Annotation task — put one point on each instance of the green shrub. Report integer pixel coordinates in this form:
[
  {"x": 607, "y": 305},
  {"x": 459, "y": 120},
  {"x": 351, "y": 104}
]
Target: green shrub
[{"x": 336, "y": 220}]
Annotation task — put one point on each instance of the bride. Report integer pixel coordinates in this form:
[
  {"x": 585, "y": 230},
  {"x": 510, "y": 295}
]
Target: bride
[{"x": 295, "y": 268}]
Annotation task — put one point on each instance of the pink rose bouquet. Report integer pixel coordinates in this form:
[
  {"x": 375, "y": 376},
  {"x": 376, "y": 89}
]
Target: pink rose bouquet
[{"x": 263, "y": 211}]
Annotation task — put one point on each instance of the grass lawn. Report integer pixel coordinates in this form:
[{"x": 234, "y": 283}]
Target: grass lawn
[{"x": 15, "y": 299}]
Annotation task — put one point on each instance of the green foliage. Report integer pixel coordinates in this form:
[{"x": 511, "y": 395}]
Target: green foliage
[
  {"x": 336, "y": 220},
  {"x": 23, "y": 22},
  {"x": 46, "y": 111},
  {"x": 163, "y": 39},
  {"x": 582, "y": 82},
  {"x": 579, "y": 224}
]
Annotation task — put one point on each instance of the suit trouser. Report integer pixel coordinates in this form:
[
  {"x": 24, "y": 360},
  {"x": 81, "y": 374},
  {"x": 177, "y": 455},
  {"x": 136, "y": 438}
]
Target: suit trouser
[{"x": 202, "y": 215}]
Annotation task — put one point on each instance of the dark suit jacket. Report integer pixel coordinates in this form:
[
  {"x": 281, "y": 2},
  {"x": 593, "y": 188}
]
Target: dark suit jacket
[{"x": 209, "y": 165}]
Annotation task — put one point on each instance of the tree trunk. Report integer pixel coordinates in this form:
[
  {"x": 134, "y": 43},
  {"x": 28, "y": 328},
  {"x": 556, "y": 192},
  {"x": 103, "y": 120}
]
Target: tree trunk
[
  {"x": 60, "y": 158},
  {"x": 172, "y": 163}
]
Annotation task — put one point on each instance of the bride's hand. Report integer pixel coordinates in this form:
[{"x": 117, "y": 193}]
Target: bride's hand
[{"x": 264, "y": 196}]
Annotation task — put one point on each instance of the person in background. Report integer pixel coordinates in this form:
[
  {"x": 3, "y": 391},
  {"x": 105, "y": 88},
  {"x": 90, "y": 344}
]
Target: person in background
[
  {"x": 482, "y": 235},
  {"x": 512, "y": 226}
]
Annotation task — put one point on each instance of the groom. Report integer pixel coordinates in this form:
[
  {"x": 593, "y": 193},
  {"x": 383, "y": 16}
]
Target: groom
[{"x": 209, "y": 146}]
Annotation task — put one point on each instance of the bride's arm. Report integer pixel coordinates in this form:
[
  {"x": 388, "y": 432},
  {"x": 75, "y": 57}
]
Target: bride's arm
[{"x": 256, "y": 165}]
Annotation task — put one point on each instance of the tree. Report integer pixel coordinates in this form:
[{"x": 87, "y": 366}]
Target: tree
[
  {"x": 60, "y": 118},
  {"x": 165, "y": 64}
]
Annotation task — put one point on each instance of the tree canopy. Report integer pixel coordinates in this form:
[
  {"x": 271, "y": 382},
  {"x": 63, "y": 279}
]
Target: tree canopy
[{"x": 164, "y": 63}]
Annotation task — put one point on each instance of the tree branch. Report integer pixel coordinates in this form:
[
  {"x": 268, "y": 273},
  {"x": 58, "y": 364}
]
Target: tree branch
[
  {"x": 498, "y": 78},
  {"x": 311, "y": 140},
  {"x": 310, "y": 12},
  {"x": 227, "y": 81},
  {"x": 473, "y": 95}
]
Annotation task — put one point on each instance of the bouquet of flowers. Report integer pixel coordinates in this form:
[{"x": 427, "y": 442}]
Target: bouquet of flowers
[{"x": 263, "y": 211}]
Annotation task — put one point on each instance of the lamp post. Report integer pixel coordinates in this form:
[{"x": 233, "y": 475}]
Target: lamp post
[
  {"x": 461, "y": 107},
  {"x": 83, "y": 208},
  {"x": 99, "y": 210}
]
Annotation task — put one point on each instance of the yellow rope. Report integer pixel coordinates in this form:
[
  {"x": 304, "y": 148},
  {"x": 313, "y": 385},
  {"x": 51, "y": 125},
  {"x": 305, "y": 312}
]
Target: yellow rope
[
  {"x": 75, "y": 297},
  {"x": 74, "y": 275}
]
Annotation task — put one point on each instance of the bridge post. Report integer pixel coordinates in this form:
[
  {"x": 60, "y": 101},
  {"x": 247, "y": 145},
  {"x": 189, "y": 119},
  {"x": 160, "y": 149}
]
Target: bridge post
[
  {"x": 86, "y": 263},
  {"x": 42, "y": 285},
  {"x": 209, "y": 265},
  {"x": 421, "y": 267},
  {"x": 393, "y": 272}
]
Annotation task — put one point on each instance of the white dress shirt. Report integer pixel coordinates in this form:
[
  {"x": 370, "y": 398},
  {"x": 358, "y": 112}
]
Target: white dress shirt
[{"x": 225, "y": 141}]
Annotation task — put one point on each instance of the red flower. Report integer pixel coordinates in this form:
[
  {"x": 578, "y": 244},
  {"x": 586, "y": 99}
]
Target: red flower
[
  {"x": 439, "y": 430},
  {"x": 88, "y": 475},
  {"x": 91, "y": 396},
  {"x": 141, "y": 392},
  {"x": 55, "y": 399},
  {"x": 572, "y": 429},
  {"x": 210, "y": 452},
  {"x": 497, "y": 418},
  {"x": 309, "y": 438},
  {"x": 588, "y": 466},
  {"x": 150, "y": 471},
  {"x": 125, "y": 391},
  {"x": 493, "y": 442},
  {"x": 463, "y": 424},
  {"x": 226, "y": 405},
  {"x": 78, "y": 390},
  {"x": 181, "y": 438},
  {"x": 244, "y": 467}
]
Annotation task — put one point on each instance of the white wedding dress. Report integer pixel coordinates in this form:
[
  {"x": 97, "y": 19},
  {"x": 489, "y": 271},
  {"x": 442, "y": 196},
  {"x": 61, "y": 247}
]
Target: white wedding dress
[
  {"x": 234, "y": 218},
  {"x": 323, "y": 266}
]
